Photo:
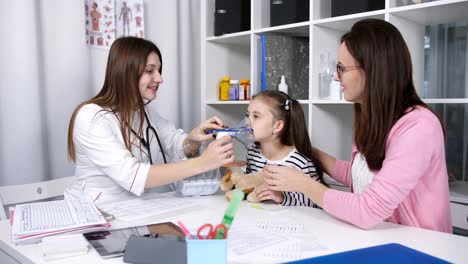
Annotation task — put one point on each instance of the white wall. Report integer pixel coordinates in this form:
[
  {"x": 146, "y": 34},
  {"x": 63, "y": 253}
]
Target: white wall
[
  {"x": 21, "y": 82},
  {"x": 174, "y": 26},
  {"x": 67, "y": 74}
]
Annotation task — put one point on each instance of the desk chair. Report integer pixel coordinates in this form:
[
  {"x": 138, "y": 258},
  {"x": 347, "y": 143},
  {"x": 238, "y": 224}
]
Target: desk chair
[{"x": 16, "y": 194}]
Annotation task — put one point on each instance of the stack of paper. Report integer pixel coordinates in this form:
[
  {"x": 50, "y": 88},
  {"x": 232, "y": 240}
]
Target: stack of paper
[
  {"x": 147, "y": 206},
  {"x": 33, "y": 221}
]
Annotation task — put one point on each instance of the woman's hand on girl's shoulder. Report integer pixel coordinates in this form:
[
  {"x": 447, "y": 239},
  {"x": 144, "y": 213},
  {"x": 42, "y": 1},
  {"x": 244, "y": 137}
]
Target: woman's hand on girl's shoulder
[{"x": 284, "y": 178}]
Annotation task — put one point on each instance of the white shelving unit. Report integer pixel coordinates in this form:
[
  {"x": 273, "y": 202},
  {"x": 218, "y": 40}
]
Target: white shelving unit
[{"x": 329, "y": 122}]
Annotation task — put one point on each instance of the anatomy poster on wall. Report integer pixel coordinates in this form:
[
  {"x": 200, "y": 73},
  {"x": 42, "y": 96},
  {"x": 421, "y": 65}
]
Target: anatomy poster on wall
[
  {"x": 129, "y": 18},
  {"x": 107, "y": 20}
]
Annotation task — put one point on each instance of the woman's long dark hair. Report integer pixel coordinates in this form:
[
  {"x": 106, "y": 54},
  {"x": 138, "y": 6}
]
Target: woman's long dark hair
[
  {"x": 294, "y": 132},
  {"x": 120, "y": 92},
  {"x": 382, "y": 53}
]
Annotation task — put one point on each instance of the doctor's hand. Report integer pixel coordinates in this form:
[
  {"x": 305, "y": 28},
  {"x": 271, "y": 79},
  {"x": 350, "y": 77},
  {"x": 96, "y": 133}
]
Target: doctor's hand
[
  {"x": 198, "y": 133},
  {"x": 263, "y": 194},
  {"x": 287, "y": 179},
  {"x": 218, "y": 153}
]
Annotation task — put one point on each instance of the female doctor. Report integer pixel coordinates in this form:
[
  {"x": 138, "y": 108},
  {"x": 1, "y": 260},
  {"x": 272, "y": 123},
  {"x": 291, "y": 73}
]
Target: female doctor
[{"x": 120, "y": 148}]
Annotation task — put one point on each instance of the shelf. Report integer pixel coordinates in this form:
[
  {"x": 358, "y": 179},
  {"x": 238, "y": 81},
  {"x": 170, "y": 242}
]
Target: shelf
[
  {"x": 445, "y": 100},
  {"x": 214, "y": 102},
  {"x": 425, "y": 100},
  {"x": 344, "y": 23},
  {"x": 459, "y": 192},
  {"x": 432, "y": 13},
  {"x": 239, "y": 38},
  {"x": 330, "y": 102},
  {"x": 296, "y": 29}
]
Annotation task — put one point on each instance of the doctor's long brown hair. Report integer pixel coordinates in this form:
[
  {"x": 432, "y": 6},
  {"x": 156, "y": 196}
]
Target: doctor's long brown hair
[
  {"x": 381, "y": 51},
  {"x": 120, "y": 93}
]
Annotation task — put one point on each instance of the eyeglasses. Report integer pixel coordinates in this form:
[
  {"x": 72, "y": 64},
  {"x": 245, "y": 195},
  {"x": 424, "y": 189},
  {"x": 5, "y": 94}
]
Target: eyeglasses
[{"x": 341, "y": 69}]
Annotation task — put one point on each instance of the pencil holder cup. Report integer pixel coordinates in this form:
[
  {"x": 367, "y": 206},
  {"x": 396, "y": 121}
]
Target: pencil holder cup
[{"x": 206, "y": 251}]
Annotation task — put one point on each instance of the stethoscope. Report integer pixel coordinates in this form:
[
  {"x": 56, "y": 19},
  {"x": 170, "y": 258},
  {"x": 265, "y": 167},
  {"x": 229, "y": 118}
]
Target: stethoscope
[{"x": 146, "y": 144}]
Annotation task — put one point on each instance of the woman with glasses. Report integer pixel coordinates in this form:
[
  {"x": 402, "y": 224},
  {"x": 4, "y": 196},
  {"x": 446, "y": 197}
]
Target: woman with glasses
[
  {"x": 397, "y": 171},
  {"x": 120, "y": 147}
]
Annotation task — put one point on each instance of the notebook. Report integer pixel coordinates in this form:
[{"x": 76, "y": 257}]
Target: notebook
[
  {"x": 387, "y": 253},
  {"x": 31, "y": 222}
]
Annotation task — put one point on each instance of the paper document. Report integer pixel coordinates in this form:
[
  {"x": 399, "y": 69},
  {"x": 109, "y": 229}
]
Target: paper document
[
  {"x": 147, "y": 206},
  {"x": 245, "y": 239},
  {"x": 273, "y": 241},
  {"x": 279, "y": 227},
  {"x": 32, "y": 221}
]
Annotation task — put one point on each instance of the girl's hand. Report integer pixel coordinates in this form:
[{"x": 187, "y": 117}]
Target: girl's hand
[
  {"x": 286, "y": 179},
  {"x": 198, "y": 133},
  {"x": 219, "y": 153},
  {"x": 263, "y": 193}
]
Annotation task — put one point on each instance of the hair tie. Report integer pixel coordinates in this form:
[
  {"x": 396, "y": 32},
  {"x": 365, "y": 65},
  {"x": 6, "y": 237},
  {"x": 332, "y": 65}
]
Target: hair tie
[{"x": 287, "y": 104}]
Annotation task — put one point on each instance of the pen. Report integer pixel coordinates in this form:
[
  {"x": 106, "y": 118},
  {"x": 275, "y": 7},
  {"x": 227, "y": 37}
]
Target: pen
[
  {"x": 231, "y": 210},
  {"x": 185, "y": 229}
]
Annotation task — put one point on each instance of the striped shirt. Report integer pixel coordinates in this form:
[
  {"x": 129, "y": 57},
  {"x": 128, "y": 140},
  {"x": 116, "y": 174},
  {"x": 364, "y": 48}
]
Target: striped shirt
[{"x": 256, "y": 161}]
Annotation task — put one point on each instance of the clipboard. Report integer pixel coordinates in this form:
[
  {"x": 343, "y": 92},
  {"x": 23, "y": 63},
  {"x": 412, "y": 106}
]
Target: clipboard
[{"x": 387, "y": 253}]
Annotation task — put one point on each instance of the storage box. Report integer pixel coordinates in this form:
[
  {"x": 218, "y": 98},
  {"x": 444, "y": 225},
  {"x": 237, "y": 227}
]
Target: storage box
[
  {"x": 346, "y": 7},
  {"x": 206, "y": 251},
  {"x": 231, "y": 16},
  {"x": 288, "y": 11}
]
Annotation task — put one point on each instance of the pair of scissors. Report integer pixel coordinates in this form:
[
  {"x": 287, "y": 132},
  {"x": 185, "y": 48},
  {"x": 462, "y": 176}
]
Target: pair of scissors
[{"x": 208, "y": 231}]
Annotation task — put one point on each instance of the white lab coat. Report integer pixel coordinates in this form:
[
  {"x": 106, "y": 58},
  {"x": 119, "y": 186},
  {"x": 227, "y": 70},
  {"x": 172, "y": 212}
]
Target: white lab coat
[{"x": 105, "y": 169}]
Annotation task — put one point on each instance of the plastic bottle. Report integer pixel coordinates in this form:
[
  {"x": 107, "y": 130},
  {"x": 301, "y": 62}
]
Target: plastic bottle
[
  {"x": 283, "y": 87},
  {"x": 224, "y": 88},
  {"x": 234, "y": 90},
  {"x": 335, "y": 89},
  {"x": 324, "y": 77},
  {"x": 244, "y": 89}
]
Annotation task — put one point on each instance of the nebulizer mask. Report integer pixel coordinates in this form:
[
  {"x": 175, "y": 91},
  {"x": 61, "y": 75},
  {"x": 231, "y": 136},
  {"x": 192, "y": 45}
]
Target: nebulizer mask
[
  {"x": 242, "y": 133},
  {"x": 208, "y": 182}
]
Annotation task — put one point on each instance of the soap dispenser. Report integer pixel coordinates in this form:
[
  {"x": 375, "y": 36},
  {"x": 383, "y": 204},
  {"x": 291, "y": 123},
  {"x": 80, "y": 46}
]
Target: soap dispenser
[{"x": 283, "y": 87}]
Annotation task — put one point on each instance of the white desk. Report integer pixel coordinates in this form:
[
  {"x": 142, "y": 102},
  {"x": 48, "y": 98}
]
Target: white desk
[{"x": 335, "y": 234}]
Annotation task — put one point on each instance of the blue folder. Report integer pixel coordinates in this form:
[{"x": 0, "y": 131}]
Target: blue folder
[
  {"x": 263, "y": 83},
  {"x": 387, "y": 253}
]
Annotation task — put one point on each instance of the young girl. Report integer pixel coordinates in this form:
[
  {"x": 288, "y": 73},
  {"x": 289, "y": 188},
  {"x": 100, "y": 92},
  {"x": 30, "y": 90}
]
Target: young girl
[{"x": 281, "y": 138}]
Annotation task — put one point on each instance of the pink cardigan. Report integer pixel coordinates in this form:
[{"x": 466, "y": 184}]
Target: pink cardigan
[{"x": 410, "y": 189}]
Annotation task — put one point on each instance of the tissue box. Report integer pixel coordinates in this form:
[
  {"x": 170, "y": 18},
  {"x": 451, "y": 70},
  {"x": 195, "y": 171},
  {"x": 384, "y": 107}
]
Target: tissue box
[{"x": 206, "y": 251}]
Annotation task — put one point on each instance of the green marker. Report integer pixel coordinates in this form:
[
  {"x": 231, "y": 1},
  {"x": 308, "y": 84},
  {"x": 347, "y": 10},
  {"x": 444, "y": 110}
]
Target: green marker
[{"x": 231, "y": 210}]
